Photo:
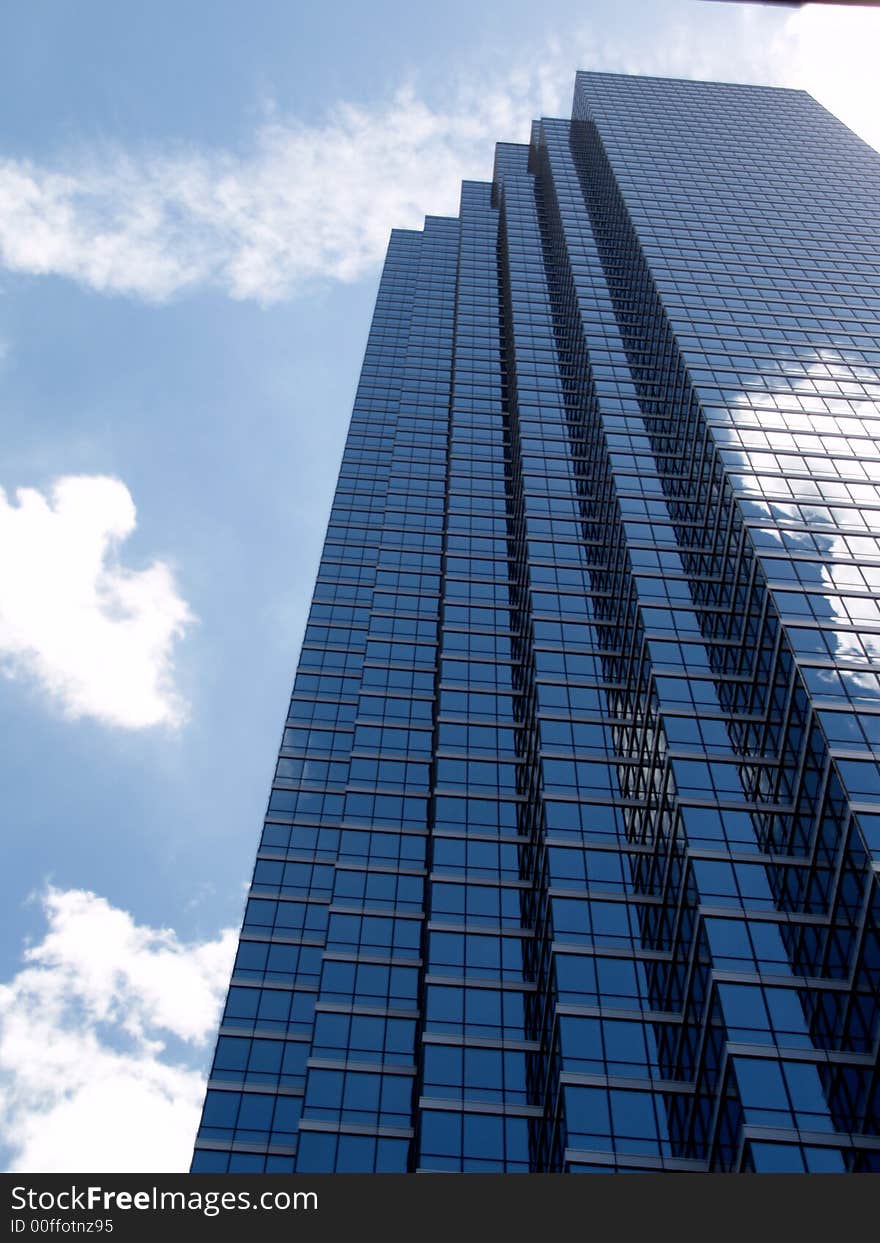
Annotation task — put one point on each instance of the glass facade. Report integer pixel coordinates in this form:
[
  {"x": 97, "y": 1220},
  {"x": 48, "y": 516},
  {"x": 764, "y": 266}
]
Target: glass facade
[{"x": 569, "y": 861}]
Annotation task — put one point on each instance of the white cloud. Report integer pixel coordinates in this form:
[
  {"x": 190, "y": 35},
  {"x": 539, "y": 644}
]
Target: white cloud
[
  {"x": 832, "y": 53},
  {"x": 316, "y": 201},
  {"x": 87, "y": 1082},
  {"x": 96, "y": 635},
  {"x": 305, "y": 202}
]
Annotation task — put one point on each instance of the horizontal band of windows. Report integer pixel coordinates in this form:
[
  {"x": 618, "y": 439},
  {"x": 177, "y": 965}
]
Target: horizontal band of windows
[
  {"x": 343, "y": 906},
  {"x": 358, "y": 844},
  {"x": 826, "y": 1059},
  {"x": 834, "y": 1139},
  {"x": 764, "y": 915},
  {"x": 642, "y": 1083},
  {"x": 496, "y": 1108},
  {"x": 576, "y": 1158},
  {"x": 477, "y": 878},
  {"x": 268, "y": 1149},
  {"x": 284, "y": 981},
  {"x": 354, "y": 957},
  {"x": 604, "y": 1010},
  {"x": 398, "y": 903},
  {"x": 354, "y": 1009},
  {"x": 442, "y": 923},
  {"x": 380, "y": 810},
  {"x": 470, "y": 1041},
  {"x": 344, "y": 864},
  {"x": 435, "y": 979},
  {"x": 273, "y": 962},
  {"x": 351, "y": 1128},
  {"x": 280, "y": 1089},
  {"x": 371, "y": 1068},
  {"x": 305, "y": 942},
  {"x": 267, "y": 915},
  {"x": 625, "y": 894},
  {"x": 312, "y": 899}
]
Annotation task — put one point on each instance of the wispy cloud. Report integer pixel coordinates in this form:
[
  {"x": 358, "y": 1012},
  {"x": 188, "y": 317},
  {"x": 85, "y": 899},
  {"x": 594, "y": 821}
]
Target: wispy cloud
[
  {"x": 87, "y": 1081},
  {"x": 305, "y": 202},
  {"x": 96, "y": 635},
  {"x": 310, "y": 202}
]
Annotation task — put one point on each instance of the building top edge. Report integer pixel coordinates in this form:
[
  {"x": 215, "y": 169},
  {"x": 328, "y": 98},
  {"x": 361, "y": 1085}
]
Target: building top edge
[{"x": 600, "y": 75}]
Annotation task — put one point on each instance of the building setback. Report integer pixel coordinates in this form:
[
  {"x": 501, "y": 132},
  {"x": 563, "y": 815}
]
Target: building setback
[{"x": 567, "y": 864}]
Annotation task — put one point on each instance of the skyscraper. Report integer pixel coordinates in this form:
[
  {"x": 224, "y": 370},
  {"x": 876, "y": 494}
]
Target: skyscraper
[{"x": 568, "y": 861}]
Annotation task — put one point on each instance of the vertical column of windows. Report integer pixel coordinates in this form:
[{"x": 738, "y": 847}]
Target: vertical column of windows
[
  {"x": 473, "y": 1080},
  {"x": 254, "y": 1100},
  {"x": 592, "y": 971},
  {"x": 358, "y": 1108},
  {"x": 635, "y": 908}
]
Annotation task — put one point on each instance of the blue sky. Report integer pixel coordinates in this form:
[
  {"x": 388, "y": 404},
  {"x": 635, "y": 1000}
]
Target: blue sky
[{"x": 194, "y": 203}]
